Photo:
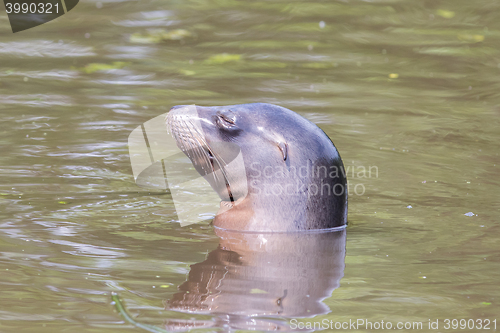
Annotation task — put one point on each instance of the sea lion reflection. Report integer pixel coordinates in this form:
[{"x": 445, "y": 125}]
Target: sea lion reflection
[{"x": 273, "y": 275}]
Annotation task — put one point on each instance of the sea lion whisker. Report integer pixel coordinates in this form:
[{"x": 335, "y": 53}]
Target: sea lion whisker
[
  {"x": 202, "y": 143},
  {"x": 194, "y": 143},
  {"x": 197, "y": 146},
  {"x": 173, "y": 125},
  {"x": 216, "y": 157},
  {"x": 185, "y": 142},
  {"x": 190, "y": 142}
]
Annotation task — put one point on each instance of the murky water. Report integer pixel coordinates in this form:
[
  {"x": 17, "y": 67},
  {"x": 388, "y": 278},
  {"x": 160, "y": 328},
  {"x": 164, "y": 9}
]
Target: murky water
[{"x": 408, "y": 90}]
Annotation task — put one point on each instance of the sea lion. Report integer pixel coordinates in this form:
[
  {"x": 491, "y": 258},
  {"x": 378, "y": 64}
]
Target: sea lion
[{"x": 292, "y": 178}]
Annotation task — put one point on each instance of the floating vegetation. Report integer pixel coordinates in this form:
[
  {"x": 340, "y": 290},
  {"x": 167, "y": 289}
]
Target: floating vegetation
[
  {"x": 96, "y": 67},
  {"x": 121, "y": 310},
  {"x": 154, "y": 36},
  {"x": 320, "y": 65},
  {"x": 187, "y": 72},
  {"x": 223, "y": 58},
  {"x": 471, "y": 38},
  {"x": 445, "y": 13}
]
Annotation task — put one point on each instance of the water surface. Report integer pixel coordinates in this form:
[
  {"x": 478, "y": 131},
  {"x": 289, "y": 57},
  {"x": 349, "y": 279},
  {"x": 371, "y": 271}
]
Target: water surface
[{"x": 409, "y": 88}]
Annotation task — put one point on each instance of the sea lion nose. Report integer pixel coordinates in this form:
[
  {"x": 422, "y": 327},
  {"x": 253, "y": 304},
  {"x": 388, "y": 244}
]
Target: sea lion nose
[{"x": 177, "y": 107}]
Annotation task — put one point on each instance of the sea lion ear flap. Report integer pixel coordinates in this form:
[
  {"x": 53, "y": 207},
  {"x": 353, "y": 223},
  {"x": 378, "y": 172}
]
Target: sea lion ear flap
[{"x": 283, "y": 146}]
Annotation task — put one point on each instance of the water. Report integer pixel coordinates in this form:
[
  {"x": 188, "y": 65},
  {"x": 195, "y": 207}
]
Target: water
[{"x": 408, "y": 88}]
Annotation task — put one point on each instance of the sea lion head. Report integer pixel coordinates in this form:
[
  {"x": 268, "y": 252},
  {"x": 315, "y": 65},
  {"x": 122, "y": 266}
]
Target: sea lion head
[{"x": 289, "y": 177}]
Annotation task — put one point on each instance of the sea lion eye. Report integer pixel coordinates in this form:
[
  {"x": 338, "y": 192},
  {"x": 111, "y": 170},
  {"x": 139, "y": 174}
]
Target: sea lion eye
[{"x": 226, "y": 119}]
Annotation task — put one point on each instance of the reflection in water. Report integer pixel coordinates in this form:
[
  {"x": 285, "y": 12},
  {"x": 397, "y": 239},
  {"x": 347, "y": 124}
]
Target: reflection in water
[{"x": 251, "y": 276}]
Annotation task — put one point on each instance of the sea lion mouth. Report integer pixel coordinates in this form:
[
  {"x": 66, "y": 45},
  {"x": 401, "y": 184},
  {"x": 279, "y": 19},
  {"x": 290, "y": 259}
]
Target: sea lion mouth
[{"x": 189, "y": 137}]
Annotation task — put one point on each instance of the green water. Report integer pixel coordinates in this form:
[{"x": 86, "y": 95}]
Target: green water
[{"x": 408, "y": 88}]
